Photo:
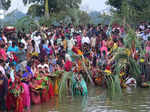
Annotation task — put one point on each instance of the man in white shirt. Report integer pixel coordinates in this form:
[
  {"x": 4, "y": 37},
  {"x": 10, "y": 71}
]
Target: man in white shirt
[
  {"x": 70, "y": 43},
  {"x": 37, "y": 39}
]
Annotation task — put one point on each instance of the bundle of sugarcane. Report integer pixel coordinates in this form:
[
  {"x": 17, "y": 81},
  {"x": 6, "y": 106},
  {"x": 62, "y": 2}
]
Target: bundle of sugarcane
[
  {"x": 123, "y": 58},
  {"x": 67, "y": 76},
  {"x": 79, "y": 52}
]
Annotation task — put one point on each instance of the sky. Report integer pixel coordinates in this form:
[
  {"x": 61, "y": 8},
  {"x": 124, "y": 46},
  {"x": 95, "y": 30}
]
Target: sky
[
  {"x": 94, "y": 5},
  {"x": 89, "y": 5},
  {"x": 18, "y": 4}
]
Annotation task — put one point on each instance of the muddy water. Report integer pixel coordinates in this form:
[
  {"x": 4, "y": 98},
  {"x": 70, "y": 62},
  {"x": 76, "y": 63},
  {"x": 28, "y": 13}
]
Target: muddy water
[{"x": 98, "y": 100}]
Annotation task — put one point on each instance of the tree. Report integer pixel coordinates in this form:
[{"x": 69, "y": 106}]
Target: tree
[
  {"x": 131, "y": 11},
  {"x": 84, "y": 18},
  {"x": 55, "y": 5},
  {"x": 139, "y": 5},
  {"x": 27, "y": 23},
  {"x": 35, "y": 10},
  {"x": 115, "y": 3},
  {"x": 5, "y": 4}
]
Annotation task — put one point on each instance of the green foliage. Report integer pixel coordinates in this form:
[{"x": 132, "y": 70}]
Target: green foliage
[
  {"x": 65, "y": 4},
  {"x": 130, "y": 37},
  {"x": 84, "y": 18},
  {"x": 139, "y": 5},
  {"x": 113, "y": 84},
  {"x": 27, "y": 23},
  {"x": 35, "y": 10},
  {"x": 44, "y": 20},
  {"x": 5, "y": 4},
  {"x": 134, "y": 69},
  {"x": 123, "y": 59},
  {"x": 131, "y": 11},
  {"x": 31, "y": 1},
  {"x": 105, "y": 19},
  {"x": 115, "y": 3},
  {"x": 56, "y": 5},
  {"x": 74, "y": 16},
  {"x": 63, "y": 83}
]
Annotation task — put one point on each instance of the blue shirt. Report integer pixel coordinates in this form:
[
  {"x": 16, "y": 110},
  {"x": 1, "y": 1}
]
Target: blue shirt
[
  {"x": 13, "y": 49},
  {"x": 46, "y": 48}
]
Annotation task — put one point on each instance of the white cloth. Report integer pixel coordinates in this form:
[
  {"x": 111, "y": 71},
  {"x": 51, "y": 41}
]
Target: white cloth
[
  {"x": 52, "y": 39},
  {"x": 93, "y": 41},
  {"x": 5, "y": 39},
  {"x": 37, "y": 39},
  {"x": 85, "y": 40},
  {"x": 2, "y": 70},
  {"x": 131, "y": 82},
  {"x": 33, "y": 70},
  {"x": 10, "y": 42},
  {"x": 25, "y": 43},
  {"x": 70, "y": 43},
  {"x": 43, "y": 66},
  {"x": 142, "y": 27},
  {"x": 145, "y": 37},
  {"x": 68, "y": 57},
  {"x": 37, "y": 49},
  {"x": 12, "y": 75}
]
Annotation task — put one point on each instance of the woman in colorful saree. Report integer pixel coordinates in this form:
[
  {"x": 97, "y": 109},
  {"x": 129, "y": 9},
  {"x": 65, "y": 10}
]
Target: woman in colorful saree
[
  {"x": 79, "y": 85},
  {"x": 17, "y": 91},
  {"x": 35, "y": 91}
]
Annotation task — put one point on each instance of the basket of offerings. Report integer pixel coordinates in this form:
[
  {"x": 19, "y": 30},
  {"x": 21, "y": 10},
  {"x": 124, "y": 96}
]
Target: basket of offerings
[
  {"x": 38, "y": 87},
  {"x": 145, "y": 84}
]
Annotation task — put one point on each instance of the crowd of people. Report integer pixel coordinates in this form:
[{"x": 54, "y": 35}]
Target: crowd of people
[{"x": 28, "y": 60}]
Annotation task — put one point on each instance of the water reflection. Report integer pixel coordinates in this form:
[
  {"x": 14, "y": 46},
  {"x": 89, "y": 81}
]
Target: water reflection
[{"x": 98, "y": 100}]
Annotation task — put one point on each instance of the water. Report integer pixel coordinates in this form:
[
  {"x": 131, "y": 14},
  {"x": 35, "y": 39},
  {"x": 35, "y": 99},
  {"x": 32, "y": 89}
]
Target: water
[{"x": 98, "y": 100}]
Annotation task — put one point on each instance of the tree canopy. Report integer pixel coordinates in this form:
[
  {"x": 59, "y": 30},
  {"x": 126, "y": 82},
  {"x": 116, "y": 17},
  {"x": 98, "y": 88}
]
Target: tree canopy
[
  {"x": 5, "y": 4},
  {"x": 56, "y": 5},
  {"x": 131, "y": 11},
  {"x": 139, "y": 5}
]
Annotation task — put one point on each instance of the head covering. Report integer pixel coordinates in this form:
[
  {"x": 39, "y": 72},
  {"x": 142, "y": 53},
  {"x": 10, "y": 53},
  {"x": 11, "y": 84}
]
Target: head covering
[
  {"x": 29, "y": 72},
  {"x": 46, "y": 66},
  {"x": 68, "y": 65}
]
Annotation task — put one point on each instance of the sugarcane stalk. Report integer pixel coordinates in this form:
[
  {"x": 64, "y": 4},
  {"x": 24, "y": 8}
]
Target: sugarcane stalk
[{"x": 88, "y": 74}]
